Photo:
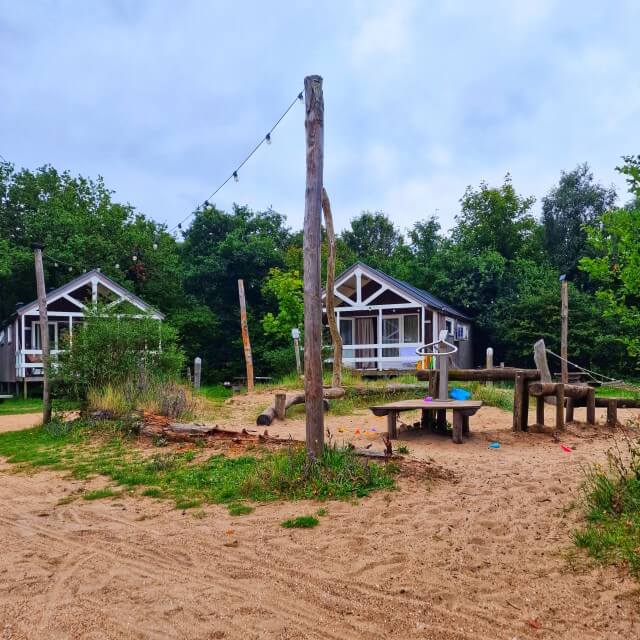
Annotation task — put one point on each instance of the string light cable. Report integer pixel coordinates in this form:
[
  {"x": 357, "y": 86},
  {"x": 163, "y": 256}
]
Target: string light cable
[{"x": 207, "y": 204}]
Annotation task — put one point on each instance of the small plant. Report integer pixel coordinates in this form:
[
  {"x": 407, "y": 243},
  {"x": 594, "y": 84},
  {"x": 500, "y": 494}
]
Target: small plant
[
  {"x": 153, "y": 492},
  {"x": 239, "y": 509},
  {"x": 161, "y": 462},
  {"x": 57, "y": 427},
  {"x": 100, "y": 493},
  {"x": 322, "y": 512},
  {"x": 187, "y": 503},
  {"x": 403, "y": 449},
  {"x": 301, "y": 522}
]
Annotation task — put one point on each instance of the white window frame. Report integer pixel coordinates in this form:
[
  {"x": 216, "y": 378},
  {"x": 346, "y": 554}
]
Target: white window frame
[
  {"x": 401, "y": 317},
  {"x": 35, "y": 324},
  {"x": 453, "y": 325}
]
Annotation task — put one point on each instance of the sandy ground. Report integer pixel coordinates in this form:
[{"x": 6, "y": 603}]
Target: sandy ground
[
  {"x": 485, "y": 555},
  {"x": 19, "y": 421}
]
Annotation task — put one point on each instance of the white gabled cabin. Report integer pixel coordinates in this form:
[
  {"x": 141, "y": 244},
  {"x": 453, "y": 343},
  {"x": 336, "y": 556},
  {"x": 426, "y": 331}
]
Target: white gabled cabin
[
  {"x": 20, "y": 350},
  {"x": 383, "y": 320}
]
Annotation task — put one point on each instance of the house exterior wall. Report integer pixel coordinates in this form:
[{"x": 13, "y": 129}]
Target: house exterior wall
[{"x": 8, "y": 355}]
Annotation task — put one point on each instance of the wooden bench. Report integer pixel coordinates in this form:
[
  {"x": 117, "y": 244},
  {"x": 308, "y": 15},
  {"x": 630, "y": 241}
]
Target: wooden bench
[{"x": 461, "y": 409}]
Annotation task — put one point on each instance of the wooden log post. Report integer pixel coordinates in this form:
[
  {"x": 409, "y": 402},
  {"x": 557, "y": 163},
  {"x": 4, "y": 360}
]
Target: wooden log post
[
  {"x": 457, "y": 427},
  {"x": 314, "y": 130},
  {"x": 44, "y": 331},
  {"x": 570, "y": 409},
  {"x": 245, "y": 336},
  {"x": 518, "y": 401},
  {"x": 489, "y": 364},
  {"x": 560, "y": 407},
  {"x": 441, "y": 420},
  {"x": 280, "y": 405},
  {"x": 392, "y": 425},
  {"x": 197, "y": 372},
  {"x": 295, "y": 334},
  {"x": 612, "y": 412},
  {"x": 524, "y": 407},
  {"x": 482, "y": 375},
  {"x": 578, "y": 391},
  {"x": 564, "y": 332},
  {"x": 336, "y": 374},
  {"x": 591, "y": 406},
  {"x": 540, "y": 413}
]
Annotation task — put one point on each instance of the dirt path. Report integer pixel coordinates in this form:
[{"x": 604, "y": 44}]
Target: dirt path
[
  {"x": 15, "y": 422},
  {"x": 483, "y": 556}
]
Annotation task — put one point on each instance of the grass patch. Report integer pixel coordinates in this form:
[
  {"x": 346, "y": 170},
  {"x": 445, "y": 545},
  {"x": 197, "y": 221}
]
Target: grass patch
[
  {"x": 403, "y": 449},
  {"x": 18, "y": 405},
  {"x": 86, "y": 450},
  {"x": 301, "y": 522},
  {"x": 99, "y": 494},
  {"x": 617, "y": 392},
  {"x": 322, "y": 512},
  {"x": 239, "y": 509},
  {"x": 612, "y": 503}
]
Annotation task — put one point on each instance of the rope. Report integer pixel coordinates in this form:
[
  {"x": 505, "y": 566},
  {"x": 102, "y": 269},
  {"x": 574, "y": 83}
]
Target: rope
[{"x": 593, "y": 374}]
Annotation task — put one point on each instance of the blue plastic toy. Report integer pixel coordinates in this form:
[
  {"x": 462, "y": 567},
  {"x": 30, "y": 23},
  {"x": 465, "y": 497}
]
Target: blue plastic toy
[
  {"x": 494, "y": 445},
  {"x": 459, "y": 394}
]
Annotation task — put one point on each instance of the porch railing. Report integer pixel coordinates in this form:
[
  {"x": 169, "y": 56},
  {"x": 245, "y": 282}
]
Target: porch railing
[
  {"x": 407, "y": 356},
  {"x": 29, "y": 362}
]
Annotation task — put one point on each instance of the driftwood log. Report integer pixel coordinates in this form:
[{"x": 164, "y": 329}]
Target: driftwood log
[
  {"x": 551, "y": 388},
  {"x": 154, "y": 426},
  {"x": 268, "y": 415},
  {"x": 483, "y": 375}
]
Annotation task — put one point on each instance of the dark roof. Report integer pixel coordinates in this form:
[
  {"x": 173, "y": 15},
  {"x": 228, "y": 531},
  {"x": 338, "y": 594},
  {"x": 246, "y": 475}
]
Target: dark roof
[{"x": 417, "y": 294}]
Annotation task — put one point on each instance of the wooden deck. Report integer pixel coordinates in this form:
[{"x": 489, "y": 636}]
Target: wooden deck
[{"x": 461, "y": 409}]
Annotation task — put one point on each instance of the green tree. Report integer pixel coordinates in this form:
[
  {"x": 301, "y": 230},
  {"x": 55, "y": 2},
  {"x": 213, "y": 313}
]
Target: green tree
[
  {"x": 80, "y": 224},
  {"x": 572, "y": 206},
  {"x": 616, "y": 265},
  {"x": 372, "y": 238},
  {"x": 495, "y": 219},
  {"x": 285, "y": 287}
]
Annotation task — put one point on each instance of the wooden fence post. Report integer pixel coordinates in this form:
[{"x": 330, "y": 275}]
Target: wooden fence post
[
  {"x": 489, "y": 364},
  {"x": 612, "y": 413},
  {"x": 314, "y": 129},
  {"x": 197, "y": 372},
  {"x": 591, "y": 406},
  {"x": 560, "y": 407},
  {"x": 280, "y": 405},
  {"x": 540, "y": 413},
  {"x": 564, "y": 333},
  {"x": 245, "y": 336},
  {"x": 518, "y": 400},
  {"x": 44, "y": 332}
]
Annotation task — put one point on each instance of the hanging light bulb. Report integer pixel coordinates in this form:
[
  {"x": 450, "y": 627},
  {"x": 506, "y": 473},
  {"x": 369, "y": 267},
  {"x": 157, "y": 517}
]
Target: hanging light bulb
[
  {"x": 300, "y": 96},
  {"x": 134, "y": 258},
  {"x": 268, "y": 138},
  {"x": 235, "y": 176}
]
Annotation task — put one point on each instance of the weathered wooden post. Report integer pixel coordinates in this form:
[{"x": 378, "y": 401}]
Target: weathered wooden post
[
  {"x": 540, "y": 412},
  {"x": 44, "y": 330},
  {"x": 280, "y": 405},
  {"x": 295, "y": 334},
  {"x": 564, "y": 333},
  {"x": 245, "y": 336},
  {"x": 314, "y": 129},
  {"x": 197, "y": 372},
  {"x": 560, "y": 407},
  {"x": 336, "y": 375},
  {"x": 518, "y": 400},
  {"x": 489, "y": 364},
  {"x": 612, "y": 412},
  {"x": 591, "y": 406}
]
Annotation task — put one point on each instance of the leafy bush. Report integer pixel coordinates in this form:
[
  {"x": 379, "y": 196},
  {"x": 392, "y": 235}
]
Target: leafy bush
[
  {"x": 116, "y": 351},
  {"x": 612, "y": 500}
]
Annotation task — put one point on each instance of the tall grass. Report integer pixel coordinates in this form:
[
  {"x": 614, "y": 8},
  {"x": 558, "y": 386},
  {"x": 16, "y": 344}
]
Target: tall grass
[
  {"x": 611, "y": 499},
  {"x": 286, "y": 473}
]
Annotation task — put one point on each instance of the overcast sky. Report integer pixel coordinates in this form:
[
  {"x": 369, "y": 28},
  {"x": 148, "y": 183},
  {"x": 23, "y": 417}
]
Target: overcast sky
[{"x": 163, "y": 99}]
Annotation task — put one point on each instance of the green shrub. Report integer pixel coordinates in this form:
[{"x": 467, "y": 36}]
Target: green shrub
[
  {"x": 612, "y": 502},
  {"x": 117, "y": 352},
  {"x": 301, "y": 522}
]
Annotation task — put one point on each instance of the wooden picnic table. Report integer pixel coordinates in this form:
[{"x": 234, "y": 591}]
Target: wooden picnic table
[{"x": 461, "y": 409}]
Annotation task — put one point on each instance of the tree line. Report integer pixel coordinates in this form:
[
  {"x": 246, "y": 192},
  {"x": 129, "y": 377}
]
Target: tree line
[{"x": 499, "y": 263}]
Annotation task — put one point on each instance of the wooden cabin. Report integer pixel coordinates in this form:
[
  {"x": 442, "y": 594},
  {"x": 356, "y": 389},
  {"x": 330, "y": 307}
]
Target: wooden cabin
[
  {"x": 383, "y": 320},
  {"x": 20, "y": 350}
]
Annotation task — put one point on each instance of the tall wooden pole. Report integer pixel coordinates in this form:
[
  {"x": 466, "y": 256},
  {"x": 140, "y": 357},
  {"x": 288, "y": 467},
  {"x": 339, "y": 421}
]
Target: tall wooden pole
[
  {"x": 44, "y": 330},
  {"x": 245, "y": 336},
  {"x": 564, "y": 334},
  {"x": 336, "y": 376},
  {"x": 314, "y": 129}
]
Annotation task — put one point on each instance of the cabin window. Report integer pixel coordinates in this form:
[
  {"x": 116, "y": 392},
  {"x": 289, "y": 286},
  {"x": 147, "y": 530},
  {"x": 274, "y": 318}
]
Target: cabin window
[
  {"x": 346, "y": 330},
  {"x": 449, "y": 325},
  {"x": 411, "y": 329},
  {"x": 53, "y": 336}
]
